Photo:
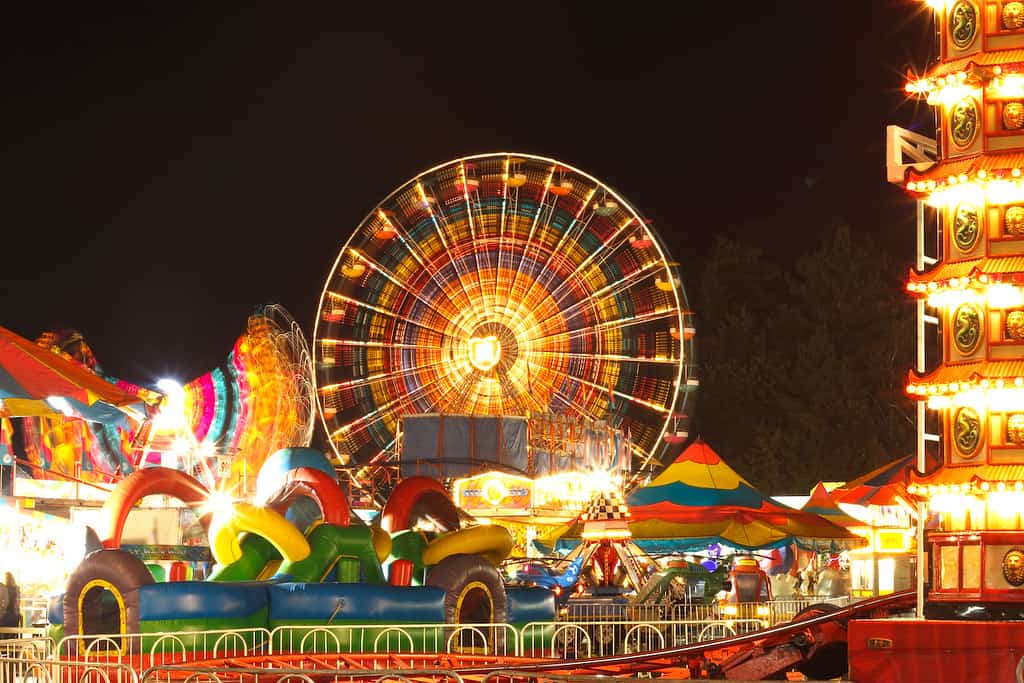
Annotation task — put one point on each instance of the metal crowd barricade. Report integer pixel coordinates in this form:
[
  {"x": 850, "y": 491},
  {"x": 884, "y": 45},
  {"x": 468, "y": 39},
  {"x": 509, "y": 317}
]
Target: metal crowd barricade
[
  {"x": 143, "y": 650},
  {"x": 571, "y": 640},
  {"x": 197, "y": 674},
  {"x": 28, "y": 646},
  {"x": 21, "y": 670},
  {"x": 487, "y": 639}
]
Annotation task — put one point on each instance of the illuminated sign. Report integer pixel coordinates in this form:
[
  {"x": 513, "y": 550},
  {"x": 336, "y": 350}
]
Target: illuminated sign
[{"x": 494, "y": 492}]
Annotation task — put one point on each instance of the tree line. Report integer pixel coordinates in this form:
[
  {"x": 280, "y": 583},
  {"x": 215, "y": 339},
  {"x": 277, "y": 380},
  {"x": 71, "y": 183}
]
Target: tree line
[{"x": 803, "y": 363}]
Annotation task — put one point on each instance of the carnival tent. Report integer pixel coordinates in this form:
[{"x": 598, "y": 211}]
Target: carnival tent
[
  {"x": 821, "y": 503},
  {"x": 34, "y": 381},
  {"x": 879, "y": 486},
  {"x": 699, "y": 500}
]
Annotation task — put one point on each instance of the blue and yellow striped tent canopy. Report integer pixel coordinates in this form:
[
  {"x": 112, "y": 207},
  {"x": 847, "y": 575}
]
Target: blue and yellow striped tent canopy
[{"x": 699, "y": 498}]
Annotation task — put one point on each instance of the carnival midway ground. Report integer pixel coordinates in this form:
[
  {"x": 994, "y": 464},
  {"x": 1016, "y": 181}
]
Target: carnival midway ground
[{"x": 748, "y": 645}]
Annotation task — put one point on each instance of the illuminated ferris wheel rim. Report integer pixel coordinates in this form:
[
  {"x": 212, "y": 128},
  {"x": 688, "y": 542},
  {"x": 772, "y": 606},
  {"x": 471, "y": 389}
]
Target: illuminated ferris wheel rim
[{"x": 637, "y": 222}]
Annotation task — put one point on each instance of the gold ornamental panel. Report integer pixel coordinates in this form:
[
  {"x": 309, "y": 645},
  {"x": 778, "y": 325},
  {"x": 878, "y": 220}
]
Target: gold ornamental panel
[
  {"x": 967, "y": 328},
  {"x": 965, "y": 226},
  {"x": 1013, "y": 566},
  {"x": 1013, "y": 15},
  {"x": 1015, "y": 428},
  {"x": 967, "y": 432},
  {"x": 963, "y": 23},
  {"x": 1013, "y": 115},
  {"x": 1013, "y": 220},
  {"x": 1014, "y": 326},
  {"x": 963, "y": 122}
]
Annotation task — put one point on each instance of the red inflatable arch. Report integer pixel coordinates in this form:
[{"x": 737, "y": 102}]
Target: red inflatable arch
[
  {"x": 321, "y": 487},
  {"x": 148, "y": 482},
  {"x": 419, "y": 497}
]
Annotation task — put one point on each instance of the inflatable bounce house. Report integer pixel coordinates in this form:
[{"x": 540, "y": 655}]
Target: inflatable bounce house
[{"x": 297, "y": 556}]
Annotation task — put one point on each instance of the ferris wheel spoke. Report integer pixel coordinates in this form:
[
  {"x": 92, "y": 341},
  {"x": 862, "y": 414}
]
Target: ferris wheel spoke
[
  {"x": 440, "y": 232},
  {"x": 617, "y": 323},
  {"x": 401, "y": 285},
  {"x": 557, "y": 299},
  {"x": 533, "y": 225},
  {"x": 375, "y": 378},
  {"x": 545, "y": 274},
  {"x": 612, "y": 357},
  {"x": 470, "y": 208},
  {"x": 636, "y": 400},
  {"x": 405, "y": 238},
  {"x": 384, "y": 312},
  {"x": 388, "y": 407},
  {"x": 604, "y": 248},
  {"x": 610, "y": 289}
]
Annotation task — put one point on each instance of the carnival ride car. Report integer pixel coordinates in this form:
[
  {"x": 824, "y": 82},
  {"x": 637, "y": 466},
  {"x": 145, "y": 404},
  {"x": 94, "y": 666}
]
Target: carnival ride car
[
  {"x": 271, "y": 572},
  {"x": 545, "y": 573}
]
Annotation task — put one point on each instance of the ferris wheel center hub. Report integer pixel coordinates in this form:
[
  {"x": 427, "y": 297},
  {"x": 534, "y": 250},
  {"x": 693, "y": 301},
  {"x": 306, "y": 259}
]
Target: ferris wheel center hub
[{"x": 484, "y": 352}]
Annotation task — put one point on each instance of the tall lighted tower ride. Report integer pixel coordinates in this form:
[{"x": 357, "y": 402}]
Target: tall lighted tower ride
[{"x": 969, "y": 282}]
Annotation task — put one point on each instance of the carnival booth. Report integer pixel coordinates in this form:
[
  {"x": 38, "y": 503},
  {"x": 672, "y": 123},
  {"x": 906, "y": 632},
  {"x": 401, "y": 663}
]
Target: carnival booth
[
  {"x": 532, "y": 475},
  {"x": 888, "y": 563}
]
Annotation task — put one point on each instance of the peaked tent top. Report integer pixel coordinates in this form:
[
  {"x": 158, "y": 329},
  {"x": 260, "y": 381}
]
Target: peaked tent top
[
  {"x": 880, "y": 486},
  {"x": 821, "y": 503},
  {"x": 699, "y": 496}
]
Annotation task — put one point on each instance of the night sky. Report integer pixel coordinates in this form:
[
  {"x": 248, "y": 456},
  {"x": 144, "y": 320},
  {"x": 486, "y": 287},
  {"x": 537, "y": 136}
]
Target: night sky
[{"x": 168, "y": 169}]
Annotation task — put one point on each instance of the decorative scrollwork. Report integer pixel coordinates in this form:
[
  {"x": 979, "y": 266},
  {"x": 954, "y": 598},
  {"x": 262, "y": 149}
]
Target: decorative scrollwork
[
  {"x": 963, "y": 122},
  {"x": 1013, "y": 566},
  {"x": 963, "y": 23},
  {"x": 967, "y": 328},
  {"x": 965, "y": 226},
  {"x": 1013, "y": 15},
  {"x": 967, "y": 431},
  {"x": 1013, "y": 115},
  {"x": 1014, "y": 326},
  {"x": 1015, "y": 429}
]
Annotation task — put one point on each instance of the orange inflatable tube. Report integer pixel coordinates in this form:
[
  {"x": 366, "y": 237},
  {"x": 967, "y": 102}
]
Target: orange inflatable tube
[
  {"x": 322, "y": 488},
  {"x": 149, "y": 482},
  {"x": 419, "y": 497}
]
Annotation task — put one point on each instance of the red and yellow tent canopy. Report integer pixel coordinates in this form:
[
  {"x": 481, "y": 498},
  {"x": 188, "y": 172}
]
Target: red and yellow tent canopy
[{"x": 699, "y": 498}]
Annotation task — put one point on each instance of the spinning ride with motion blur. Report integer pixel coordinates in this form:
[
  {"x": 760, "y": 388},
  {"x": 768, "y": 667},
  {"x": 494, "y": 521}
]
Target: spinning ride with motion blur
[{"x": 506, "y": 316}]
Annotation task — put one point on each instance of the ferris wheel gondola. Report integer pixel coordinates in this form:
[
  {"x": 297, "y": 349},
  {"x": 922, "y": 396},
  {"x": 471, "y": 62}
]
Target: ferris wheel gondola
[{"x": 502, "y": 284}]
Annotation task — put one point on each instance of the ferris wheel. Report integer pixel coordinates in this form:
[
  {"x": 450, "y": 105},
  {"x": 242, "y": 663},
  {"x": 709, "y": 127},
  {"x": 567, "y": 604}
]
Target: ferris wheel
[{"x": 503, "y": 284}]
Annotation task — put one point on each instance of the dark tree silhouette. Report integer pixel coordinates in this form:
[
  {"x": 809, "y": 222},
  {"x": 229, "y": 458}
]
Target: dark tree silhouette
[{"x": 803, "y": 366}]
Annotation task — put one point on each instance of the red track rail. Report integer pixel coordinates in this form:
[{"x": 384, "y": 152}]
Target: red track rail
[{"x": 674, "y": 658}]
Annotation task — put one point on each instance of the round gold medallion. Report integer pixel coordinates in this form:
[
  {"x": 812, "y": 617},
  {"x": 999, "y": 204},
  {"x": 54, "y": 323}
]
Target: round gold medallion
[
  {"x": 1013, "y": 15},
  {"x": 1013, "y": 220},
  {"x": 967, "y": 431},
  {"x": 1015, "y": 428},
  {"x": 1013, "y": 566},
  {"x": 963, "y": 23},
  {"x": 963, "y": 122},
  {"x": 1014, "y": 326},
  {"x": 965, "y": 226},
  {"x": 1013, "y": 115},
  {"x": 967, "y": 328}
]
